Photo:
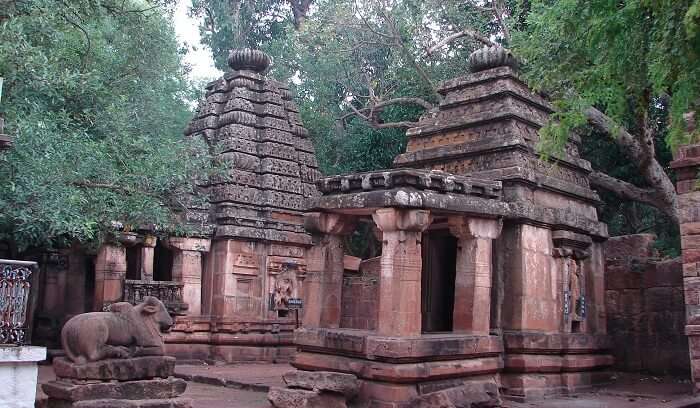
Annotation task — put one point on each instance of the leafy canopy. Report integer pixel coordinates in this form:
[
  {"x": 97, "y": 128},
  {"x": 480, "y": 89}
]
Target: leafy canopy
[{"x": 96, "y": 100}]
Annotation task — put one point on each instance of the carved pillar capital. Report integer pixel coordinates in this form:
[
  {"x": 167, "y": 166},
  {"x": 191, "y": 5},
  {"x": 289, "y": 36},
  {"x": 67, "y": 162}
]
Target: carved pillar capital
[
  {"x": 329, "y": 223},
  {"x": 188, "y": 244},
  {"x": 466, "y": 227},
  {"x": 393, "y": 219}
]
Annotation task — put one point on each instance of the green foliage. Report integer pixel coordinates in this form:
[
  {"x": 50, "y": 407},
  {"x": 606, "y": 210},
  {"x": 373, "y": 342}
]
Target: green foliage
[
  {"x": 622, "y": 57},
  {"x": 96, "y": 99},
  {"x": 347, "y": 50}
]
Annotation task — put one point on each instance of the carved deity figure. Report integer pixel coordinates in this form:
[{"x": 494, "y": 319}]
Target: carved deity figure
[
  {"x": 283, "y": 290},
  {"x": 576, "y": 283},
  {"x": 121, "y": 332}
]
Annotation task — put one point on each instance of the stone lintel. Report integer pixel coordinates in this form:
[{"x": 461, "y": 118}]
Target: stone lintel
[
  {"x": 555, "y": 343},
  {"x": 270, "y": 235},
  {"x": 371, "y": 346},
  {"x": 535, "y": 179},
  {"x": 392, "y": 372},
  {"x": 329, "y": 223},
  {"x": 429, "y": 180},
  {"x": 469, "y": 227},
  {"x": 368, "y": 202},
  {"x": 189, "y": 244}
]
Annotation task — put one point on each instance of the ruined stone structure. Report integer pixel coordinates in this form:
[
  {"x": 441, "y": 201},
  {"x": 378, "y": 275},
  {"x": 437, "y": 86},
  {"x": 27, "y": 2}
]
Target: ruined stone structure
[
  {"x": 645, "y": 308},
  {"x": 687, "y": 165},
  {"x": 492, "y": 266}
]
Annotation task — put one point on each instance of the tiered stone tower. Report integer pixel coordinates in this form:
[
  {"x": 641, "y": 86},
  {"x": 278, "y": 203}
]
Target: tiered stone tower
[
  {"x": 257, "y": 259},
  {"x": 548, "y": 275}
]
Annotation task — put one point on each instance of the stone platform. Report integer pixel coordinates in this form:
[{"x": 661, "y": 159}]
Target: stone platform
[
  {"x": 393, "y": 371},
  {"x": 141, "y": 382}
]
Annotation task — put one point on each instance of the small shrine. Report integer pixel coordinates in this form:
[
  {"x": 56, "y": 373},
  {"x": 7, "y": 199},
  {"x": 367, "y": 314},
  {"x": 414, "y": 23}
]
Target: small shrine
[{"x": 491, "y": 269}]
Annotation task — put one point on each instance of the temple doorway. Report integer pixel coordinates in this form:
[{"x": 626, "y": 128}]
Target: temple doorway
[{"x": 438, "y": 281}]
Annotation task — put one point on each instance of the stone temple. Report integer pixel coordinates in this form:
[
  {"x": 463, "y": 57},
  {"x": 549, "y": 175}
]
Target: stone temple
[{"x": 491, "y": 271}]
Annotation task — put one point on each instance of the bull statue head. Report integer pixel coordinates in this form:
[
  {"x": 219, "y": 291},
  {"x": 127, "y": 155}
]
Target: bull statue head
[{"x": 155, "y": 309}]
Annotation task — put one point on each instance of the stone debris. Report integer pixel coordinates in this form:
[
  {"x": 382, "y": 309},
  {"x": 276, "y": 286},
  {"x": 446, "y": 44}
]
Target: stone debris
[
  {"x": 341, "y": 383},
  {"x": 470, "y": 395},
  {"x": 314, "y": 389}
]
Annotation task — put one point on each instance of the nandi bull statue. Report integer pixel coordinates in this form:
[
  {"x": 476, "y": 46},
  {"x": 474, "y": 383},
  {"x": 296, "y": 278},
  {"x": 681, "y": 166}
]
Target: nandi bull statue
[{"x": 123, "y": 331}]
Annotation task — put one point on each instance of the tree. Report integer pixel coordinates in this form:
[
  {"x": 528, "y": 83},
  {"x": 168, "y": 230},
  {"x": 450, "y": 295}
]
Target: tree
[
  {"x": 97, "y": 100},
  {"x": 627, "y": 69}
]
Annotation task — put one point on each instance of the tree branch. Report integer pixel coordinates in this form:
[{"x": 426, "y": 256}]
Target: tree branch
[
  {"x": 370, "y": 114},
  {"x": 467, "y": 32},
  {"x": 624, "y": 189},
  {"x": 642, "y": 153}
]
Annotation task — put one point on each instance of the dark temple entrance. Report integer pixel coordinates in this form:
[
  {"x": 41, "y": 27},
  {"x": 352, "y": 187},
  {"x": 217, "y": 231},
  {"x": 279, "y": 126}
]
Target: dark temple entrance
[{"x": 438, "y": 281}]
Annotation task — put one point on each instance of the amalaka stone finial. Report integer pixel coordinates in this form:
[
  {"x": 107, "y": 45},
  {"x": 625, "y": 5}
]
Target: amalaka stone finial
[
  {"x": 492, "y": 57},
  {"x": 248, "y": 59}
]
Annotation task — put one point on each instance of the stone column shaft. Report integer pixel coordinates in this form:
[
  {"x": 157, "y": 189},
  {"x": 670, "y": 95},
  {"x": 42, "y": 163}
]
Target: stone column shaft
[
  {"x": 472, "y": 306},
  {"x": 147, "y": 255},
  {"x": 187, "y": 269},
  {"x": 401, "y": 265},
  {"x": 324, "y": 281},
  {"x": 110, "y": 272}
]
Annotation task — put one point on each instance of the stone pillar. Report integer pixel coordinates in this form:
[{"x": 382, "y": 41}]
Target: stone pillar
[
  {"x": 147, "y": 254},
  {"x": 324, "y": 279},
  {"x": 401, "y": 265},
  {"x": 110, "y": 272},
  {"x": 187, "y": 269},
  {"x": 687, "y": 165},
  {"x": 472, "y": 305}
]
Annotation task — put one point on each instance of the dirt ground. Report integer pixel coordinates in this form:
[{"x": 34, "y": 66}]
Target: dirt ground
[{"x": 245, "y": 386}]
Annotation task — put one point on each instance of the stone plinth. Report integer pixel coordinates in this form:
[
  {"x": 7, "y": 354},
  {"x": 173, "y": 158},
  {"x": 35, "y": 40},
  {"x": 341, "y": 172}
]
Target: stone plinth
[
  {"x": 394, "y": 370},
  {"x": 18, "y": 375},
  {"x": 687, "y": 165},
  {"x": 135, "y": 382}
]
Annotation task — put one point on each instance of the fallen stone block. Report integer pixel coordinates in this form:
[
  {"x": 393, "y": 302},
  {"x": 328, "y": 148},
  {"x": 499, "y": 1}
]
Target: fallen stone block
[
  {"x": 470, "y": 395},
  {"x": 295, "y": 398},
  {"x": 345, "y": 384}
]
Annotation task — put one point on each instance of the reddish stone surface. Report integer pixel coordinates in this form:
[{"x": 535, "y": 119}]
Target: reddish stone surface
[
  {"x": 139, "y": 368},
  {"x": 293, "y": 398},
  {"x": 129, "y": 390},
  {"x": 341, "y": 383},
  {"x": 687, "y": 164},
  {"x": 360, "y": 298},
  {"x": 646, "y": 313},
  {"x": 475, "y": 394},
  {"x": 637, "y": 245}
]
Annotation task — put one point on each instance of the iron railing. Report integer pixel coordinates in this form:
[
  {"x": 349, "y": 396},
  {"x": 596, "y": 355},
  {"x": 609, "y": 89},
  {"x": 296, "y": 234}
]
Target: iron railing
[
  {"x": 16, "y": 300},
  {"x": 170, "y": 293}
]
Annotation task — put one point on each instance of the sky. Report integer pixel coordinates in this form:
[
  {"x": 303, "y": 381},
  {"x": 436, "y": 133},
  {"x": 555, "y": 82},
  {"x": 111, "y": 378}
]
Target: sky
[{"x": 199, "y": 58}]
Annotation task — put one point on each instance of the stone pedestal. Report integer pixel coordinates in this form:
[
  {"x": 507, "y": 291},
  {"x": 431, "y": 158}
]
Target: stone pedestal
[
  {"x": 18, "y": 375},
  {"x": 135, "y": 382}
]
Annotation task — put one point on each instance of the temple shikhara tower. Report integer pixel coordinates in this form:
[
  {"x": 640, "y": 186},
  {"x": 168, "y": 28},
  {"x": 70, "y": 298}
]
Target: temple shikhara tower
[{"x": 258, "y": 243}]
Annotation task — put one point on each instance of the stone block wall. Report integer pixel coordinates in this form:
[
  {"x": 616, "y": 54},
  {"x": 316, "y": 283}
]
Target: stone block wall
[
  {"x": 360, "y": 297},
  {"x": 645, "y": 307}
]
